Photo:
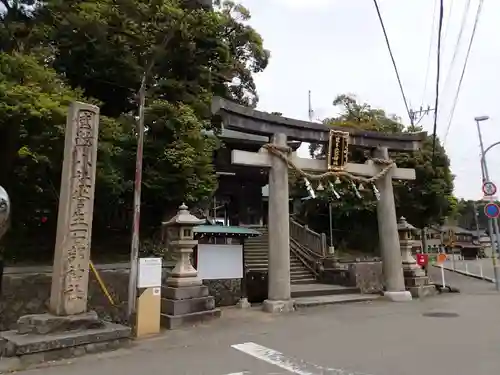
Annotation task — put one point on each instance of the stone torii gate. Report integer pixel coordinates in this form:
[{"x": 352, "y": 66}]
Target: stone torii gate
[{"x": 281, "y": 130}]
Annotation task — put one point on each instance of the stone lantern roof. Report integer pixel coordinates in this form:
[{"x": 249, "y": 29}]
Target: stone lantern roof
[
  {"x": 403, "y": 225},
  {"x": 183, "y": 217}
]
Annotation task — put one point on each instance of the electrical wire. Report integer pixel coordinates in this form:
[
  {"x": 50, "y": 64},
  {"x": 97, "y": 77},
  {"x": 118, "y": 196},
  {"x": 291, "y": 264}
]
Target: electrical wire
[
  {"x": 457, "y": 45},
  {"x": 455, "y": 101},
  {"x": 430, "y": 52},
  {"x": 438, "y": 74},
  {"x": 448, "y": 17},
  {"x": 393, "y": 61}
]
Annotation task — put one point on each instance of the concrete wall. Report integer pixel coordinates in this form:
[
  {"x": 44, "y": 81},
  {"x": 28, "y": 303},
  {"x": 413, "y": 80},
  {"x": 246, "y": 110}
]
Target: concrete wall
[{"x": 26, "y": 290}]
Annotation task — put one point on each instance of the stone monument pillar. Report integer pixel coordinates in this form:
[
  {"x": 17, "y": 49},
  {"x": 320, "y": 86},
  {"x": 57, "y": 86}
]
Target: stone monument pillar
[
  {"x": 76, "y": 207},
  {"x": 416, "y": 281},
  {"x": 185, "y": 299},
  {"x": 69, "y": 329}
]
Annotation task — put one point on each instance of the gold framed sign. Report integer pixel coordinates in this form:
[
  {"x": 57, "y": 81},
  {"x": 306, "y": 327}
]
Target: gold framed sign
[{"x": 338, "y": 150}]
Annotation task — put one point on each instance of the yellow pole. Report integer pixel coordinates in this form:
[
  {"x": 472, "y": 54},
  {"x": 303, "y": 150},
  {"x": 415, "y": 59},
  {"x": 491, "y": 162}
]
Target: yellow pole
[{"x": 101, "y": 284}]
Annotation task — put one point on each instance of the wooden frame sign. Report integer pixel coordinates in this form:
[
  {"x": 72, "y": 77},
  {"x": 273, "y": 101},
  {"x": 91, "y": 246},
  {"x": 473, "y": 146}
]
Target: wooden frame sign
[{"x": 338, "y": 150}]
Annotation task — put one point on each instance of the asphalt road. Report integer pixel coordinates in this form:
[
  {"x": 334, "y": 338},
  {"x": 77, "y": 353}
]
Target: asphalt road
[{"x": 376, "y": 338}]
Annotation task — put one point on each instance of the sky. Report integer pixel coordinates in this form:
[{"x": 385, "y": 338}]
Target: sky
[{"x": 333, "y": 47}]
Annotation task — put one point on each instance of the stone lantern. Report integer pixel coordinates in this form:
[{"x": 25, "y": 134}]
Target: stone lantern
[
  {"x": 185, "y": 300},
  {"x": 416, "y": 280},
  {"x": 406, "y": 239},
  {"x": 181, "y": 238}
]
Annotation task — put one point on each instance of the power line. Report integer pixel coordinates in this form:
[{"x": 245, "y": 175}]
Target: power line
[
  {"x": 438, "y": 74},
  {"x": 455, "y": 101},
  {"x": 393, "y": 61},
  {"x": 459, "y": 39},
  {"x": 430, "y": 52},
  {"x": 448, "y": 17}
]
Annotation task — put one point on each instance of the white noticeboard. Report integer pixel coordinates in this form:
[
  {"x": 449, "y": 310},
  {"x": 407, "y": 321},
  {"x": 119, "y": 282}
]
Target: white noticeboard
[
  {"x": 220, "y": 262},
  {"x": 149, "y": 272}
]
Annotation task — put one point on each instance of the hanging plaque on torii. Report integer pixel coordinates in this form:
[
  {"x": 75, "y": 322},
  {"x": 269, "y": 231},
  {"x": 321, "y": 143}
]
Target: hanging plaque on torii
[{"x": 338, "y": 150}]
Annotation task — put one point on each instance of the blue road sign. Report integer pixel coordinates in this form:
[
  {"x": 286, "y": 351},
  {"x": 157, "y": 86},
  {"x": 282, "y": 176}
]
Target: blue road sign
[{"x": 492, "y": 210}]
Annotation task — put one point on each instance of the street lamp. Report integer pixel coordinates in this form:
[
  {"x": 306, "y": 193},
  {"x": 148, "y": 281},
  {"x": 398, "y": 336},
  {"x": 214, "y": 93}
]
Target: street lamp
[
  {"x": 492, "y": 223},
  {"x": 481, "y": 118}
]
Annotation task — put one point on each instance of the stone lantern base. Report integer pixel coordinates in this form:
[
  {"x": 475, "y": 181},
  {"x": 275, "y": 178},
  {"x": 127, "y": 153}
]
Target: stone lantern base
[
  {"x": 186, "y": 305},
  {"x": 417, "y": 282}
]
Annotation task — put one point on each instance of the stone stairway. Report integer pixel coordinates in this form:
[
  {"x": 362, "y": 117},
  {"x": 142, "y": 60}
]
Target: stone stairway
[
  {"x": 306, "y": 291},
  {"x": 256, "y": 259}
]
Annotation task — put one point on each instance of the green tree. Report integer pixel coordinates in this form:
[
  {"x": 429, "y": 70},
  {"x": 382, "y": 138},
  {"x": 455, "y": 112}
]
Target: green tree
[
  {"x": 465, "y": 212},
  {"x": 104, "y": 46},
  {"x": 33, "y": 107},
  {"x": 424, "y": 201},
  {"x": 100, "y": 49}
]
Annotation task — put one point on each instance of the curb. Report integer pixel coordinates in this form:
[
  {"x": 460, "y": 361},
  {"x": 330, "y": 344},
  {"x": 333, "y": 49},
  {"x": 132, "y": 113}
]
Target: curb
[
  {"x": 473, "y": 275},
  {"x": 300, "y": 304}
]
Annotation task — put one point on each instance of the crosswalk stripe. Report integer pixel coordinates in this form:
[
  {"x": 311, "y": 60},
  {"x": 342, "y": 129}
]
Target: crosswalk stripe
[{"x": 292, "y": 365}]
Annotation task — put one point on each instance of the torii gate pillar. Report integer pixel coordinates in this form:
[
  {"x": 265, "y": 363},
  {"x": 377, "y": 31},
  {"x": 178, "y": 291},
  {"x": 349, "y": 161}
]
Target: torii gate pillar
[
  {"x": 279, "y": 294},
  {"x": 388, "y": 236}
]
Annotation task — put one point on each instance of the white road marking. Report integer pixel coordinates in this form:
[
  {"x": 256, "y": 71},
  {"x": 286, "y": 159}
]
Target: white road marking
[{"x": 295, "y": 366}]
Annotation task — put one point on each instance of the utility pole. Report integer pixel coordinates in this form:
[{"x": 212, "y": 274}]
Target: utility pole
[
  {"x": 134, "y": 250},
  {"x": 492, "y": 223},
  {"x": 476, "y": 220},
  {"x": 310, "y": 111},
  {"x": 417, "y": 116}
]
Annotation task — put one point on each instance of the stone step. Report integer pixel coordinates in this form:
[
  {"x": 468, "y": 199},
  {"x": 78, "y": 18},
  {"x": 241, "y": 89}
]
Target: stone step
[
  {"x": 303, "y": 281},
  {"x": 63, "y": 343},
  {"x": 299, "y": 271},
  {"x": 303, "y": 302},
  {"x": 301, "y": 276},
  {"x": 316, "y": 289},
  {"x": 257, "y": 268},
  {"x": 293, "y": 262},
  {"x": 177, "y": 321},
  {"x": 264, "y": 263},
  {"x": 256, "y": 261}
]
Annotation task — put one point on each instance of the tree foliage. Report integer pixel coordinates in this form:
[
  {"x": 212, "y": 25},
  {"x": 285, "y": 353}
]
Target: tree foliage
[
  {"x": 470, "y": 215},
  {"x": 98, "y": 51},
  {"x": 424, "y": 201}
]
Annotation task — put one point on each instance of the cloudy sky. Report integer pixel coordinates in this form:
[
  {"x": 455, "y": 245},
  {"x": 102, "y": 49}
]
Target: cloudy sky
[{"x": 337, "y": 46}]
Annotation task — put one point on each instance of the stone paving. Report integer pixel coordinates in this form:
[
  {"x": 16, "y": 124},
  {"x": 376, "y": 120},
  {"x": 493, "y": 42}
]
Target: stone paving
[{"x": 460, "y": 337}]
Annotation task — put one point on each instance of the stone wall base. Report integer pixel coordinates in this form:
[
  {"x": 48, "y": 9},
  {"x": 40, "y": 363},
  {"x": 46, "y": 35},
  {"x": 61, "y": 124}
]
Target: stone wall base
[
  {"x": 23, "y": 350},
  {"x": 366, "y": 276}
]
